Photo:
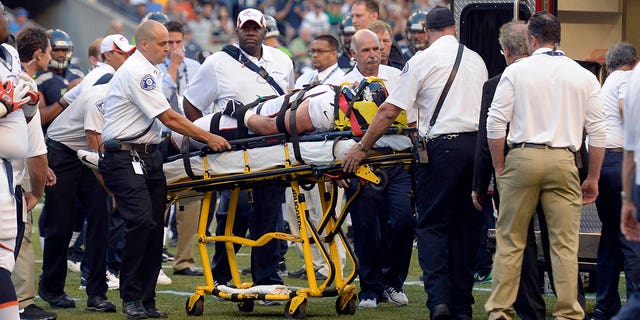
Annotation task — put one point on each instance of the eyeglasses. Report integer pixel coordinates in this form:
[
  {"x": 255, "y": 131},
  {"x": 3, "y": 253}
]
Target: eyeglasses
[{"x": 320, "y": 51}]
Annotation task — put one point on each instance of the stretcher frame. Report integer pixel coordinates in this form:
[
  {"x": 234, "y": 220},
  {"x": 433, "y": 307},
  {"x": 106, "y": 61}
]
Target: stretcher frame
[{"x": 296, "y": 177}]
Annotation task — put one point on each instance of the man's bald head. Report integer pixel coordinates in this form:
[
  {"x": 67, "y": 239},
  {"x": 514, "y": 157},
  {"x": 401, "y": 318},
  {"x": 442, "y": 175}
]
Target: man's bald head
[
  {"x": 152, "y": 40},
  {"x": 366, "y": 49},
  {"x": 147, "y": 30},
  {"x": 362, "y": 36}
]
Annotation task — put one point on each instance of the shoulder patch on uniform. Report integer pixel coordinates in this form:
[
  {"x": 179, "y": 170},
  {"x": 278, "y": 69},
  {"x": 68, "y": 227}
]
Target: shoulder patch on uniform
[
  {"x": 148, "y": 83},
  {"x": 100, "y": 105},
  {"x": 405, "y": 69}
]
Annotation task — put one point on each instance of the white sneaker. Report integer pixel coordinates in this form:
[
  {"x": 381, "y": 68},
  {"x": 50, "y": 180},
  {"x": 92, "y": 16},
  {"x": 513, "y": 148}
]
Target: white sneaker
[
  {"x": 163, "y": 279},
  {"x": 368, "y": 304},
  {"x": 73, "y": 266},
  {"x": 396, "y": 297},
  {"x": 113, "y": 283}
]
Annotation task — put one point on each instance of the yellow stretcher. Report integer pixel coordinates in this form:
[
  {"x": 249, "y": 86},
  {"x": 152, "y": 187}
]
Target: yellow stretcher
[{"x": 301, "y": 175}]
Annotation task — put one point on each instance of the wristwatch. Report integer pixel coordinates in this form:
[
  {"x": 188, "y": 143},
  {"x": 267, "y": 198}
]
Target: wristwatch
[
  {"x": 361, "y": 147},
  {"x": 625, "y": 196}
]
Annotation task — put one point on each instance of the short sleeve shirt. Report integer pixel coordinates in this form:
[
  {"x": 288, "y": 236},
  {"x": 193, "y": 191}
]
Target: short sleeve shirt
[
  {"x": 423, "y": 79},
  {"x": 133, "y": 102}
]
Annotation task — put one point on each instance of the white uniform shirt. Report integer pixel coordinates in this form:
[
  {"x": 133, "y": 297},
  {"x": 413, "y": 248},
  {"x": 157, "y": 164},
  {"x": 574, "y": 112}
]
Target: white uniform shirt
[
  {"x": 222, "y": 78},
  {"x": 614, "y": 89},
  {"x": 133, "y": 102},
  {"x": 548, "y": 100},
  {"x": 90, "y": 79},
  {"x": 85, "y": 113},
  {"x": 632, "y": 118},
  {"x": 423, "y": 79},
  {"x": 332, "y": 75}
]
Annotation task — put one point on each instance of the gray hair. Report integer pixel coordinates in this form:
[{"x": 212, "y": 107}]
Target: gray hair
[
  {"x": 513, "y": 35},
  {"x": 620, "y": 54}
]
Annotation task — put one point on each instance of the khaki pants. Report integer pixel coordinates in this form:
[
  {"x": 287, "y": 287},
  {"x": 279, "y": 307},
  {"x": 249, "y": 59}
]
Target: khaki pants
[
  {"x": 23, "y": 274},
  {"x": 187, "y": 225},
  {"x": 315, "y": 216},
  {"x": 551, "y": 177}
]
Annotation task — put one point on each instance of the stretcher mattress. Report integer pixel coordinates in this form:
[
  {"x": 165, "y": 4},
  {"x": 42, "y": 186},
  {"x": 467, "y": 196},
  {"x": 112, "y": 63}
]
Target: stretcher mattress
[{"x": 259, "y": 159}]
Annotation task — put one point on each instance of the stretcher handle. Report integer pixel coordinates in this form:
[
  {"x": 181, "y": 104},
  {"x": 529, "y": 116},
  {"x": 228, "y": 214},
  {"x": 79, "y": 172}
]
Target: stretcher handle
[
  {"x": 349, "y": 134},
  {"x": 249, "y": 143}
]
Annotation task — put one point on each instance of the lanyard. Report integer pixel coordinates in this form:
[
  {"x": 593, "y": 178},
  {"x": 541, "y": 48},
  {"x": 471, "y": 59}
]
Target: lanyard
[
  {"x": 179, "y": 76},
  {"x": 329, "y": 75},
  {"x": 554, "y": 53}
]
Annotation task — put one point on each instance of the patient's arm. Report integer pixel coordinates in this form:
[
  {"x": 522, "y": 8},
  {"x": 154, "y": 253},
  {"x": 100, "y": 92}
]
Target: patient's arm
[{"x": 265, "y": 125}]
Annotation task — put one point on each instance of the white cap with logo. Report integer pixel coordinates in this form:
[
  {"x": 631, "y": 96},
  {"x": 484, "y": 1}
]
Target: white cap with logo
[
  {"x": 250, "y": 15},
  {"x": 116, "y": 42}
]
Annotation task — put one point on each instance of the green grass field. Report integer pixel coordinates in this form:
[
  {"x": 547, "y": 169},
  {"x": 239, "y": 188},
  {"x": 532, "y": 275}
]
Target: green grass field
[{"x": 172, "y": 298}]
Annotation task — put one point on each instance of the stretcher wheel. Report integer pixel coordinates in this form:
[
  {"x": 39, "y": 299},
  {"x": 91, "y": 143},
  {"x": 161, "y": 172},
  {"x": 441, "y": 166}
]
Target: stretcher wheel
[
  {"x": 349, "y": 308},
  {"x": 246, "y": 306},
  {"x": 198, "y": 307},
  {"x": 299, "y": 313},
  {"x": 384, "y": 180}
]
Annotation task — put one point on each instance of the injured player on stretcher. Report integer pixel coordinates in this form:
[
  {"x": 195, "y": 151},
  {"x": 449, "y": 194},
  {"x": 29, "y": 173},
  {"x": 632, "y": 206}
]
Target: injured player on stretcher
[{"x": 319, "y": 108}]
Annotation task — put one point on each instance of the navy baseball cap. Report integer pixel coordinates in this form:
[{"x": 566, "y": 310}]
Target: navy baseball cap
[{"x": 439, "y": 17}]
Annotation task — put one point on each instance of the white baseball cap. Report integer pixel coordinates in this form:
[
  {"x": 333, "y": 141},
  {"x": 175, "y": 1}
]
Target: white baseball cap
[
  {"x": 250, "y": 15},
  {"x": 116, "y": 42}
]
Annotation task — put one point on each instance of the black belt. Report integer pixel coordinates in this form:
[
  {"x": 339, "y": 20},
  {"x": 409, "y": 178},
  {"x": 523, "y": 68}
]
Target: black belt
[
  {"x": 451, "y": 136},
  {"x": 617, "y": 150},
  {"x": 138, "y": 147},
  {"x": 535, "y": 146}
]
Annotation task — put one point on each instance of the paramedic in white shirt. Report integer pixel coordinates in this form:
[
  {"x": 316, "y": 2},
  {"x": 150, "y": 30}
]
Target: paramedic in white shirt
[
  {"x": 448, "y": 226},
  {"x": 132, "y": 164},
  {"x": 223, "y": 78}
]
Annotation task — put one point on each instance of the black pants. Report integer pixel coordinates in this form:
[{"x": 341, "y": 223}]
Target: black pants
[
  {"x": 141, "y": 200},
  {"x": 74, "y": 181},
  {"x": 383, "y": 232},
  {"x": 449, "y": 227}
]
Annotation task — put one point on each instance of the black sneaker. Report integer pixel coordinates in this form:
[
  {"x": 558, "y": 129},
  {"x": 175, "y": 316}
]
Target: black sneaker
[
  {"x": 282, "y": 268},
  {"x": 34, "y": 312},
  {"x": 61, "y": 301},
  {"x": 297, "y": 274},
  {"x": 133, "y": 310},
  {"x": 100, "y": 304},
  {"x": 166, "y": 255},
  {"x": 319, "y": 276},
  {"x": 153, "y": 312},
  {"x": 597, "y": 315}
]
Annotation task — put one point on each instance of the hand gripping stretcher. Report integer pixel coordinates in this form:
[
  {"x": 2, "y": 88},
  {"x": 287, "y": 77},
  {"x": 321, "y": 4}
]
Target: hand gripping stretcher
[{"x": 267, "y": 160}]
